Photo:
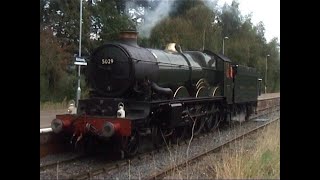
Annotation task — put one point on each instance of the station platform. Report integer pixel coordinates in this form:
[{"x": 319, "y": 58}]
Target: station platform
[
  {"x": 268, "y": 96},
  {"x": 46, "y": 116}
]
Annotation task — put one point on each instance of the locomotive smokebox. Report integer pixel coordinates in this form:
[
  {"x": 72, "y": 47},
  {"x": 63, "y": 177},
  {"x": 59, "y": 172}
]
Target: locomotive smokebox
[
  {"x": 129, "y": 37},
  {"x": 118, "y": 68}
]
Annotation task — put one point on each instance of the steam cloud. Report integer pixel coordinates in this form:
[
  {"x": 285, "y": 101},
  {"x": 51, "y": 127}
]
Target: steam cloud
[
  {"x": 152, "y": 17},
  {"x": 211, "y": 4}
]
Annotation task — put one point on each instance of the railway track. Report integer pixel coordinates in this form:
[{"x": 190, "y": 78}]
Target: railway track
[
  {"x": 63, "y": 161},
  {"x": 265, "y": 111},
  {"x": 112, "y": 167},
  {"x": 161, "y": 174}
]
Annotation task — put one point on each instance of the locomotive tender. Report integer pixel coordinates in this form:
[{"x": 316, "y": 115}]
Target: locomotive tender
[{"x": 160, "y": 94}]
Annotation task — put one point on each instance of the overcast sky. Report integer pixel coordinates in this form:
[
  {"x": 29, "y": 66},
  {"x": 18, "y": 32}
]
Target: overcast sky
[{"x": 267, "y": 11}]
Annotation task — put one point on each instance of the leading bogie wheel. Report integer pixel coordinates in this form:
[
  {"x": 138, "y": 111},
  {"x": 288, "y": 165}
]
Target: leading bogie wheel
[{"x": 130, "y": 144}]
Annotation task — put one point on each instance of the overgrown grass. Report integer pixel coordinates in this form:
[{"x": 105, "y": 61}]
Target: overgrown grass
[
  {"x": 54, "y": 105},
  {"x": 252, "y": 158}
]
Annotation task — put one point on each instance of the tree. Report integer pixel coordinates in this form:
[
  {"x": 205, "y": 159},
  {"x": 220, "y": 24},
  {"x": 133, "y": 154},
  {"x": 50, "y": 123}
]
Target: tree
[
  {"x": 195, "y": 30},
  {"x": 193, "y": 24},
  {"x": 54, "y": 83},
  {"x": 180, "y": 8},
  {"x": 59, "y": 39},
  {"x": 63, "y": 17},
  {"x": 107, "y": 22},
  {"x": 230, "y": 19}
]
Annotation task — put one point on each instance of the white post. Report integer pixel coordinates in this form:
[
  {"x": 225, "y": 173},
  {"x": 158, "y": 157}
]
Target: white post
[
  {"x": 79, "y": 67},
  {"x": 265, "y": 85},
  {"x": 223, "y": 44}
]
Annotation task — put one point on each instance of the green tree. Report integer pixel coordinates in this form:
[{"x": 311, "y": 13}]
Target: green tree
[
  {"x": 63, "y": 17},
  {"x": 195, "y": 30},
  {"x": 180, "y": 7},
  {"x": 107, "y": 22},
  {"x": 59, "y": 40},
  {"x": 54, "y": 81},
  {"x": 230, "y": 19}
]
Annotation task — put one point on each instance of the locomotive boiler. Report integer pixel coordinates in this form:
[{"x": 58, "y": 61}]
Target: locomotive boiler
[
  {"x": 124, "y": 69},
  {"x": 141, "y": 92}
]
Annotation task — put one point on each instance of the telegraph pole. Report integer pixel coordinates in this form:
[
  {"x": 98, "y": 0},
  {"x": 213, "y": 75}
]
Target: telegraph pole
[
  {"x": 223, "y": 44},
  {"x": 79, "y": 66},
  {"x": 265, "y": 84}
]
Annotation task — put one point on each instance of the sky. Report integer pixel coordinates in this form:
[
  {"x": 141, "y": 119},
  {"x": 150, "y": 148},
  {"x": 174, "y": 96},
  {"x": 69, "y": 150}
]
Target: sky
[{"x": 267, "y": 11}]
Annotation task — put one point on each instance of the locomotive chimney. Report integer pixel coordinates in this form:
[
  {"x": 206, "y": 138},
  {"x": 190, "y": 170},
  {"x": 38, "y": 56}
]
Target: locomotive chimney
[{"x": 129, "y": 37}]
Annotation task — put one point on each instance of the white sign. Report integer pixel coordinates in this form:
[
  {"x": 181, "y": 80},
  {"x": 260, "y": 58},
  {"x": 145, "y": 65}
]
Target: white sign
[
  {"x": 80, "y": 62},
  {"x": 80, "y": 59}
]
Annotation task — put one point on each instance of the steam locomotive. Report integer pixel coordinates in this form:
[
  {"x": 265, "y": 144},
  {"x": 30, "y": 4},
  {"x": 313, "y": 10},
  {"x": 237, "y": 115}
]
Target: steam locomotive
[{"x": 157, "y": 94}]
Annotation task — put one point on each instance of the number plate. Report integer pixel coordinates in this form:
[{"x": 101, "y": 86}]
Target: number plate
[{"x": 107, "y": 61}]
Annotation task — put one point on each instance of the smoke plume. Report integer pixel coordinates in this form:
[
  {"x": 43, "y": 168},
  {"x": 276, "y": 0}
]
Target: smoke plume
[
  {"x": 151, "y": 17},
  {"x": 147, "y": 19}
]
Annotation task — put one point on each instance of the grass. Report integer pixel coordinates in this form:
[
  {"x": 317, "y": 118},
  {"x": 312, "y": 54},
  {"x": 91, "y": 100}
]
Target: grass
[
  {"x": 254, "y": 157},
  {"x": 257, "y": 158}
]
